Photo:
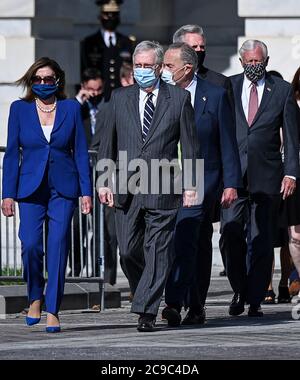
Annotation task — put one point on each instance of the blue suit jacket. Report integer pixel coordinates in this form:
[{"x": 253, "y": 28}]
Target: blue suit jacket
[
  {"x": 216, "y": 131},
  {"x": 66, "y": 154}
]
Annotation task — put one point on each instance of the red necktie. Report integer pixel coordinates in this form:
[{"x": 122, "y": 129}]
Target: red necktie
[{"x": 253, "y": 103}]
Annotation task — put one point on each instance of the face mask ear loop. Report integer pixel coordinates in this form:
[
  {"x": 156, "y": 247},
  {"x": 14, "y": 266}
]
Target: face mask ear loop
[{"x": 176, "y": 81}]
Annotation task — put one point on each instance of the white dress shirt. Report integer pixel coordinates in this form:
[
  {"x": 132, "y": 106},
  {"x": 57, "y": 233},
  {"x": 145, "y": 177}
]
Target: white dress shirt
[
  {"x": 47, "y": 129},
  {"x": 143, "y": 98},
  {"x": 246, "y": 93},
  {"x": 106, "y": 34},
  {"x": 192, "y": 89}
]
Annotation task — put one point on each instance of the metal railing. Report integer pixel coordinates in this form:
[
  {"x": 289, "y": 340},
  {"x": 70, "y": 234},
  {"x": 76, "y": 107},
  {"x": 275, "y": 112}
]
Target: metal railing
[{"x": 86, "y": 257}]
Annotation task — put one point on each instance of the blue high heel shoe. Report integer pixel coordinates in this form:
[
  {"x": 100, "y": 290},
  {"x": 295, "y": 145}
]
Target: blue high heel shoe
[
  {"x": 53, "y": 329},
  {"x": 32, "y": 321}
]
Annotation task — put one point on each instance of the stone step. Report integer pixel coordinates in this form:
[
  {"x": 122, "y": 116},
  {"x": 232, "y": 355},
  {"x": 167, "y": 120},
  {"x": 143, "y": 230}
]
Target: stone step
[{"x": 13, "y": 298}]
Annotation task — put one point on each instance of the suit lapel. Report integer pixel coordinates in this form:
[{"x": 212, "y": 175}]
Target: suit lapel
[
  {"x": 200, "y": 99},
  {"x": 36, "y": 121},
  {"x": 134, "y": 112},
  {"x": 267, "y": 95},
  {"x": 162, "y": 105},
  {"x": 60, "y": 115},
  {"x": 238, "y": 91},
  {"x": 59, "y": 118}
]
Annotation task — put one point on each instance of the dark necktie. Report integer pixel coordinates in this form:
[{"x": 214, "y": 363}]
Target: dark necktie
[
  {"x": 148, "y": 115},
  {"x": 253, "y": 104},
  {"x": 110, "y": 41}
]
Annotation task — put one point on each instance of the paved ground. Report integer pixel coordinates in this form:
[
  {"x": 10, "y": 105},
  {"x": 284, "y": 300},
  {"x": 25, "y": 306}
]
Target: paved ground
[{"x": 112, "y": 334}]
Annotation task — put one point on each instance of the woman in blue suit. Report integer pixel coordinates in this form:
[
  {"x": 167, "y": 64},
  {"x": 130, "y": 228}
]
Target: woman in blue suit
[{"x": 45, "y": 169}]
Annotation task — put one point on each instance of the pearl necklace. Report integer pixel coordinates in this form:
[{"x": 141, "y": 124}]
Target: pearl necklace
[{"x": 46, "y": 110}]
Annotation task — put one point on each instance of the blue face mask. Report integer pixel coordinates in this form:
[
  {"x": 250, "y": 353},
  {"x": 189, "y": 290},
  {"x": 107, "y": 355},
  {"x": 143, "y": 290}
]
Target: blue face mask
[
  {"x": 145, "y": 78},
  {"x": 44, "y": 91},
  {"x": 167, "y": 77}
]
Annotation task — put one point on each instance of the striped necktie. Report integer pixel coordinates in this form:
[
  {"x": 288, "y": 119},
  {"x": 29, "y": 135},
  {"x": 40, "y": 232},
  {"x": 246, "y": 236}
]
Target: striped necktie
[{"x": 148, "y": 115}]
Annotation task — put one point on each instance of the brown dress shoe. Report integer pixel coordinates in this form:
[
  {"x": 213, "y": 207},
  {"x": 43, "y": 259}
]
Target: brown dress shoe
[{"x": 294, "y": 288}]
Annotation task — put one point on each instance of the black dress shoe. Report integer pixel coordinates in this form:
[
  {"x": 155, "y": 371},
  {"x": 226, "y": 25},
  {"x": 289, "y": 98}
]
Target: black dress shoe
[
  {"x": 146, "y": 323},
  {"x": 237, "y": 305},
  {"x": 283, "y": 295},
  {"x": 172, "y": 316},
  {"x": 223, "y": 273},
  {"x": 194, "y": 318},
  {"x": 255, "y": 311}
]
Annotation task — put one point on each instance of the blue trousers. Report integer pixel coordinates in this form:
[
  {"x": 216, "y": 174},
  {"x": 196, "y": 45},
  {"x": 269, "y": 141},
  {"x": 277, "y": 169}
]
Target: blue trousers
[
  {"x": 189, "y": 279},
  {"x": 44, "y": 203}
]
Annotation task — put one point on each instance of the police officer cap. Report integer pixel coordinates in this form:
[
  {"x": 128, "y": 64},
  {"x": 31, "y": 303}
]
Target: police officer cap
[{"x": 109, "y": 5}]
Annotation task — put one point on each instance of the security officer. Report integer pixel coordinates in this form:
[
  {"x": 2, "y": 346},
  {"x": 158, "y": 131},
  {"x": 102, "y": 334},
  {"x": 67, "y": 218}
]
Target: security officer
[{"x": 107, "y": 49}]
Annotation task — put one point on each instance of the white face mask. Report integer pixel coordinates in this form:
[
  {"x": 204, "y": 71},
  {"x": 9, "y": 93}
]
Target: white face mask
[{"x": 168, "y": 77}]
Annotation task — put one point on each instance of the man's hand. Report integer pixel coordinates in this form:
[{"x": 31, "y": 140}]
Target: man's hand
[
  {"x": 86, "y": 204},
  {"x": 8, "y": 207},
  {"x": 106, "y": 196},
  {"x": 190, "y": 198},
  {"x": 83, "y": 95},
  {"x": 228, "y": 197},
  {"x": 288, "y": 186}
]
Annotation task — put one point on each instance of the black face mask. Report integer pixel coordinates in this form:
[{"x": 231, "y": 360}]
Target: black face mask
[
  {"x": 201, "y": 57},
  {"x": 110, "y": 24},
  {"x": 255, "y": 72},
  {"x": 95, "y": 100}
]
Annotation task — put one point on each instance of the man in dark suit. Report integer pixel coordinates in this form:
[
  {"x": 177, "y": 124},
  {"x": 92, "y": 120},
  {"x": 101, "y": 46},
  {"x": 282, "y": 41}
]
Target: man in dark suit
[
  {"x": 222, "y": 176},
  {"x": 264, "y": 104},
  {"x": 193, "y": 35},
  {"x": 107, "y": 49},
  {"x": 90, "y": 97},
  {"x": 147, "y": 120}
]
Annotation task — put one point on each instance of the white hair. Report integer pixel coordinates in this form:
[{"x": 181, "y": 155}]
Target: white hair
[
  {"x": 181, "y": 32},
  {"x": 150, "y": 45},
  {"x": 250, "y": 45}
]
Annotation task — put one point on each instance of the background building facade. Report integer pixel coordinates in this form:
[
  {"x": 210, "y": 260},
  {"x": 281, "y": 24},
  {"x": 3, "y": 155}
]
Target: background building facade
[{"x": 30, "y": 29}]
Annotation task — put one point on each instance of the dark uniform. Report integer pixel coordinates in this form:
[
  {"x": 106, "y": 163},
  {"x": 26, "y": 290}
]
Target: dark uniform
[{"x": 95, "y": 53}]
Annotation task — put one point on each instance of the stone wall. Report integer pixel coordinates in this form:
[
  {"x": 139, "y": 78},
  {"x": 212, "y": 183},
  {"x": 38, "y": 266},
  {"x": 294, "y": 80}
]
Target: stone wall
[{"x": 277, "y": 23}]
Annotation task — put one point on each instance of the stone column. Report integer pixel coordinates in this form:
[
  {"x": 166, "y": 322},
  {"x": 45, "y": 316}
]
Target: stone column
[{"x": 277, "y": 23}]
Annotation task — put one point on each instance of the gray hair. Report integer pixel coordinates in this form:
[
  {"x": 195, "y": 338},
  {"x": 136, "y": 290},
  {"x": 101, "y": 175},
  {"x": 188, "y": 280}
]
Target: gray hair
[
  {"x": 187, "y": 54},
  {"x": 150, "y": 45},
  {"x": 253, "y": 44},
  {"x": 181, "y": 32}
]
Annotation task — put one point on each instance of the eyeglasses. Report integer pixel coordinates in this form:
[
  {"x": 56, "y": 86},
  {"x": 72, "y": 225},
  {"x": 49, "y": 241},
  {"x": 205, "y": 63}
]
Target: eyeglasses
[
  {"x": 145, "y": 66},
  {"x": 50, "y": 80}
]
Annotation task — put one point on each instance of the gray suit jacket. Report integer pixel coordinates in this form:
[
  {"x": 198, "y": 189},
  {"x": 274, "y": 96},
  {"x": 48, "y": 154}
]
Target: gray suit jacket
[
  {"x": 259, "y": 144},
  {"x": 121, "y": 130}
]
